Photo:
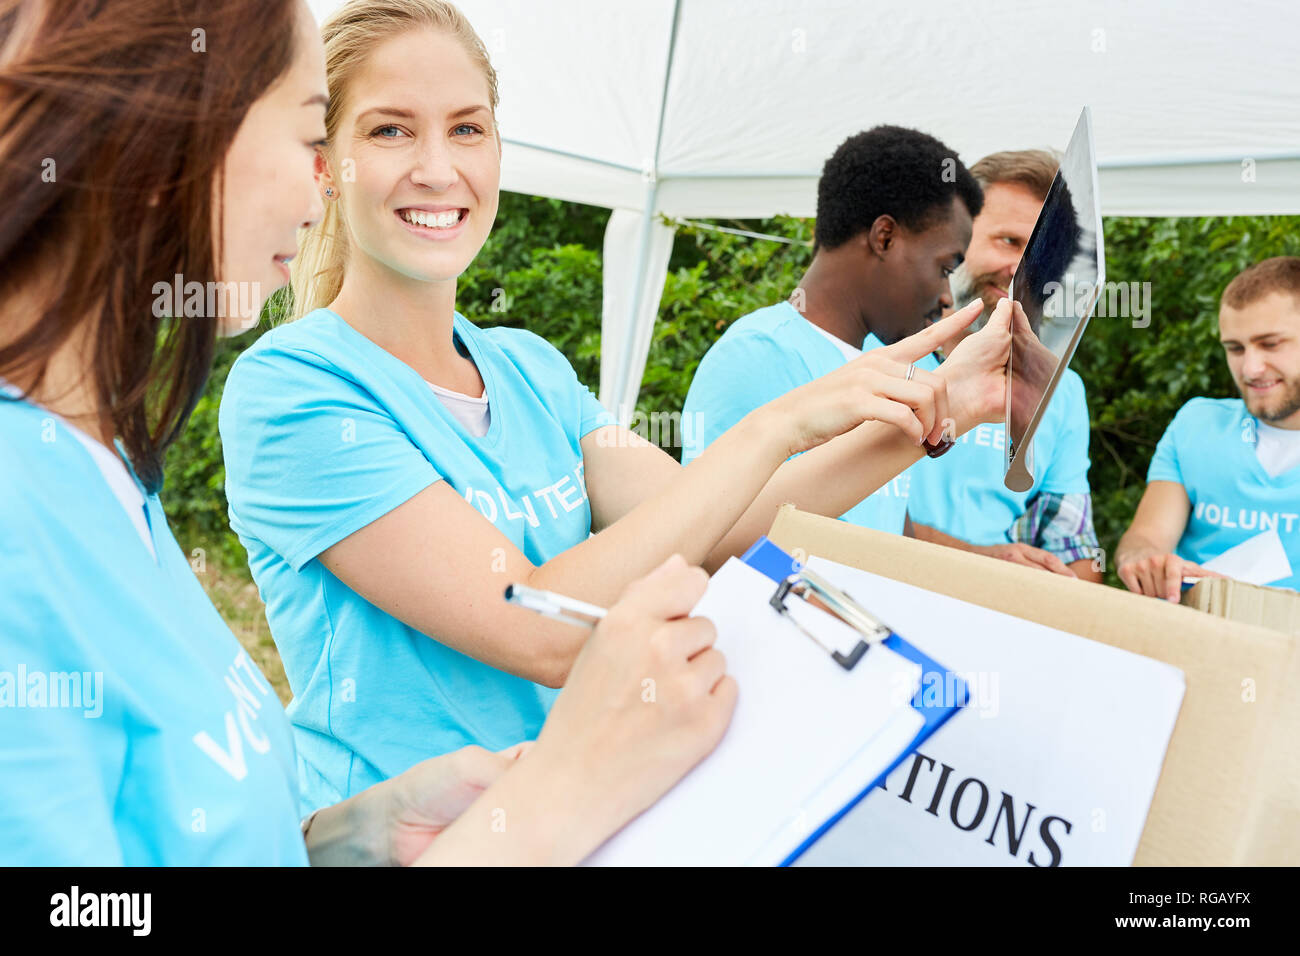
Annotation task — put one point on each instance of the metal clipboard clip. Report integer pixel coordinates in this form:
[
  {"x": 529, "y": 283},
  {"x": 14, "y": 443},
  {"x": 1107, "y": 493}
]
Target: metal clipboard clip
[{"x": 804, "y": 583}]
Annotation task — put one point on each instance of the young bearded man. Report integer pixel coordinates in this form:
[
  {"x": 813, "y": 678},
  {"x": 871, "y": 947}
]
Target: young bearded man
[{"x": 1228, "y": 469}]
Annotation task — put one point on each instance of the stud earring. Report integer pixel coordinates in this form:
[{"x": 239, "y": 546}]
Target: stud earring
[{"x": 329, "y": 192}]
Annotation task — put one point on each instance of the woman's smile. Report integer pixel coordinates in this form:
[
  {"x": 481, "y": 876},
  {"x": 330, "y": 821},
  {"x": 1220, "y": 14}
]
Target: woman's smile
[{"x": 438, "y": 223}]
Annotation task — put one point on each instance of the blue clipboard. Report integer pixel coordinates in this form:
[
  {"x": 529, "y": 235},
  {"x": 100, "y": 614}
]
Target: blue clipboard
[{"x": 767, "y": 558}]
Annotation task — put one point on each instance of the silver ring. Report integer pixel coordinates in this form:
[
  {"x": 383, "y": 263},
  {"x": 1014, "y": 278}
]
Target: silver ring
[{"x": 911, "y": 370}]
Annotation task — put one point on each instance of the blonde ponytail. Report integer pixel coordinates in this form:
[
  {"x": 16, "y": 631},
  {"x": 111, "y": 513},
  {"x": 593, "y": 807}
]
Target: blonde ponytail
[
  {"x": 351, "y": 35},
  {"x": 317, "y": 269}
]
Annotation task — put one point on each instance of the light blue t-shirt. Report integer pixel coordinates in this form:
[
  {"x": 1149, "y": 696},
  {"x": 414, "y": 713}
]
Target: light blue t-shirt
[
  {"x": 134, "y": 729},
  {"x": 963, "y": 492},
  {"x": 1209, "y": 449},
  {"x": 323, "y": 432},
  {"x": 760, "y": 357}
]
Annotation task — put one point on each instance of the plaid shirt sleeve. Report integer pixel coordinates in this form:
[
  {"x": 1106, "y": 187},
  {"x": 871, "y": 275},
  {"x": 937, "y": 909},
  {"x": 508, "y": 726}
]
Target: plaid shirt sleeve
[{"x": 1059, "y": 524}]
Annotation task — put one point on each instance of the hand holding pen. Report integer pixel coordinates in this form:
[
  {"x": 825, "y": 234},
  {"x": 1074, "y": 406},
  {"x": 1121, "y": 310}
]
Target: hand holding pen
[{"x": 646, "y": 699}]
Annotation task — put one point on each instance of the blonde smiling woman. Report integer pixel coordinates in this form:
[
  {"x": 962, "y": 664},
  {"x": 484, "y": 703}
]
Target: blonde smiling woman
[{"x": 391, "y": 466}]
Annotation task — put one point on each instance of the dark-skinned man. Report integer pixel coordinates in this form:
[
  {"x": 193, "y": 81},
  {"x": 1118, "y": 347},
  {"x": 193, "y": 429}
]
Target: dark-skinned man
[{"x": 894, "y": 213}]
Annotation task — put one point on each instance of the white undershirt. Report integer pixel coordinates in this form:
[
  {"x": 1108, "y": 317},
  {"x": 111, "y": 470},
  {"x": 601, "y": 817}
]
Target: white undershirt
[
  {"x": 120, "y": 482},
  {"x": 850, "y": 353},
  {"x": 1278, "y": 449},
  {"x": 472, "y": 413}
]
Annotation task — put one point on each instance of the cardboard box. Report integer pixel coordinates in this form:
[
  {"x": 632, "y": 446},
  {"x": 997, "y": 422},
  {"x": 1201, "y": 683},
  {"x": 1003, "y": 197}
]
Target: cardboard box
[
  {"x": 1229, "y": 792},
  {"x": 1274, "y": 608}
]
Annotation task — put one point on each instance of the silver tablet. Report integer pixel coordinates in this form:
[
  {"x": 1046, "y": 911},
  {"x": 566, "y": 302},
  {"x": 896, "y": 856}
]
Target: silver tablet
[{"x": 1057, "y": 283}]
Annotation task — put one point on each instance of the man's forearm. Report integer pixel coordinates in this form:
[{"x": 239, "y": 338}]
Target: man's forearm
[
  {"x": 539, "y": 813},
  {"x": 351, "y": 833},
  {"x": 1085, "y": 569},
  {"x": 924, "y": 532}
]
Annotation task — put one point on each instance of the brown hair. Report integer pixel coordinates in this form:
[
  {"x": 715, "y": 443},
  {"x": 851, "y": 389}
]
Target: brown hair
[
  {"x": 351, "y": 34},
  {"x": 1032, "y": 168},
  {"x": 1279, "y": 274},
  {"x": 115, "y": 120}
]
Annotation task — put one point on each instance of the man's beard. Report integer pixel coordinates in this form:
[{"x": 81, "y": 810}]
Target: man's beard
[
  {"x": 965, "y": 287},
  {"x": 1285, "y": 406}
]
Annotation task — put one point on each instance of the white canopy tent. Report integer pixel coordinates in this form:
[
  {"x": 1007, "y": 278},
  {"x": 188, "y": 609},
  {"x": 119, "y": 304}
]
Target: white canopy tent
[{"x": 729, "y": 108}]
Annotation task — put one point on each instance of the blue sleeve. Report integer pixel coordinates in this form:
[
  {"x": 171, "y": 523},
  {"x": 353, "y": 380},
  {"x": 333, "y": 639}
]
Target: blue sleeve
[
  {"x": 737, "y": 375},
  {"x": 60, "y": 769},
  {"x": 1067, "y": 472},
  {"x": 1164, "y": 463},
  {"x": 591, "y": 414},
  {"x": 311, "y": 456}
]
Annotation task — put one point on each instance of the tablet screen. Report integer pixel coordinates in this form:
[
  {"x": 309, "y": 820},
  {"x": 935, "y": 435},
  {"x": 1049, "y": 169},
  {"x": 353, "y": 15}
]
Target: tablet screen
[{"x": 1056, "y": 282}]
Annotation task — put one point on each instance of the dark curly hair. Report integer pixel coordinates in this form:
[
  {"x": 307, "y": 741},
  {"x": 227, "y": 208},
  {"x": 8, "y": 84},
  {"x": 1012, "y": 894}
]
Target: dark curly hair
[{"x": 890, "y": 170}]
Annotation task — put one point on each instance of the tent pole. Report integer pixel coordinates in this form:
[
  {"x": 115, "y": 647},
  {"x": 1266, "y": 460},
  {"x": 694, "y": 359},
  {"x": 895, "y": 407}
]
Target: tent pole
[
  {"x": 622, "y": 380},
  {"x": 648, "y": 211}
]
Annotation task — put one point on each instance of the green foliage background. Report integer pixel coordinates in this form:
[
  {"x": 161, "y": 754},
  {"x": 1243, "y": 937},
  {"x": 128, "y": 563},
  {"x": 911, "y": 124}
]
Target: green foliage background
[{"x": 541, "y": 270}]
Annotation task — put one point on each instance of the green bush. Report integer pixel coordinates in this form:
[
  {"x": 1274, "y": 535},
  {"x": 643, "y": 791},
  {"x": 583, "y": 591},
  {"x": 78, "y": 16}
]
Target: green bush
[{"x": 541, "y": 270}]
